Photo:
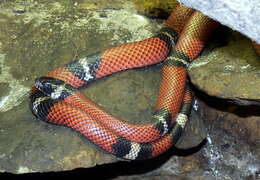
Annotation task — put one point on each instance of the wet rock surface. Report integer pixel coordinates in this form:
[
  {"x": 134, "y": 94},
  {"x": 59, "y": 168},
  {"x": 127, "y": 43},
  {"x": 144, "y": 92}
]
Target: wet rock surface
[{"x": 35, "y": 37}]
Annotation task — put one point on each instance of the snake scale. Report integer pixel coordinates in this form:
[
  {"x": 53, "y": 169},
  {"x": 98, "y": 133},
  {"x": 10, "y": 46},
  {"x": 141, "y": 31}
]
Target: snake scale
[{"x": 56, "y": 98}]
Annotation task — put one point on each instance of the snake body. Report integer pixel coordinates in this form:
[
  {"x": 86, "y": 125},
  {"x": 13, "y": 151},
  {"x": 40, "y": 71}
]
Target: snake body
[{"x": 55, "y": 98}]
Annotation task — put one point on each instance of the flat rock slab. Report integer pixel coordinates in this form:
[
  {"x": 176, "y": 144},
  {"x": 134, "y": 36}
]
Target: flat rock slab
[
  {"x": 231, "y": 72},
  {"x": 29, "y": 145}
]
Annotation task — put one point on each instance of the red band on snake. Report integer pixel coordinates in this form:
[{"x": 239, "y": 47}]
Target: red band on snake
[{"x": 56, "y": 98}]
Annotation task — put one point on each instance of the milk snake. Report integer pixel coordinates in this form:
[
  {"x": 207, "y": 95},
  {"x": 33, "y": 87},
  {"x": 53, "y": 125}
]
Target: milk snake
[{"x": 55, "y": 98}]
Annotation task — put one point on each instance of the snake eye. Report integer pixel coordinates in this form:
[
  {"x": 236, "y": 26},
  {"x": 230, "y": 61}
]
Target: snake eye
[{"x": 45, "y": 85}]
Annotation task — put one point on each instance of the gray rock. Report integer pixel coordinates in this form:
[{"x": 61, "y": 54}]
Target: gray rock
[{"x": 240, "y": 15}]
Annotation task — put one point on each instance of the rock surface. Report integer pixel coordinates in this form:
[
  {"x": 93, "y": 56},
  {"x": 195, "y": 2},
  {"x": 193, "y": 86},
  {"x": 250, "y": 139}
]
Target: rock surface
[{"x": 231, "y": 72}]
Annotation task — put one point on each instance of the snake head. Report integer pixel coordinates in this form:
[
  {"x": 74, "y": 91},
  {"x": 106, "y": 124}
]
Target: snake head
[{"x": 55, "y": 88}]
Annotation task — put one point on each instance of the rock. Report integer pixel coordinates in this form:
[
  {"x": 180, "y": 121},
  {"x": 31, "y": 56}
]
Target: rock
[
  {"x": 231, "y": 72},
  {"x": 155, "y": 8},
  {"x": 240, "y": 122},
  {"x": 240, "y": 15},
  {"x": 29, "y": 145},
  {"x": 102, "y": 4}
]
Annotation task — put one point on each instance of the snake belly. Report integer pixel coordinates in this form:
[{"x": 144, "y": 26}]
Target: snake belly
[{"x": 56, "y": 98}]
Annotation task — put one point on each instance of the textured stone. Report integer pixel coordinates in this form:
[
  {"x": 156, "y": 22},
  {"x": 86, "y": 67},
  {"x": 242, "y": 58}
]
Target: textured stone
[
  {"x": 231, "y": 72},
  {"x": 240, "y": 15},
  {"x": 103, "y": 4},
  {"x": 155, "y": 8},
  {"x": 29, "y": 145}
]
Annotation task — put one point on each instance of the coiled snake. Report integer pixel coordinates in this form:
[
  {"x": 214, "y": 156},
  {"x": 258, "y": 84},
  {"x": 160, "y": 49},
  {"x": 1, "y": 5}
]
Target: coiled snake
[{"x": 56, "y": 98}]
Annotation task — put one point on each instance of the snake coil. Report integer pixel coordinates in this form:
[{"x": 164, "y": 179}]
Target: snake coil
[{"x": 55, "y": 98}]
